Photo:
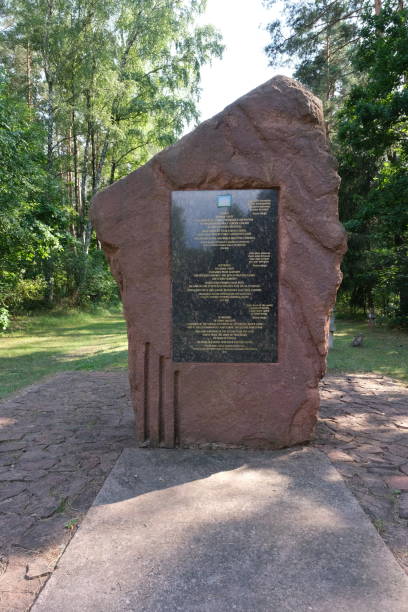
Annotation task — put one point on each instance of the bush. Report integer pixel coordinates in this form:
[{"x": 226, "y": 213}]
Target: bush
[
  {"x": 4, "y": 318},
  {"x": 84, "y": 279},
  {"x": 17, "y": 292}
]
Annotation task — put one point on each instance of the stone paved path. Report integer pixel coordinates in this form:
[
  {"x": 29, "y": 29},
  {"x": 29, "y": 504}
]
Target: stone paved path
[
  {"x": 59, "y": 440},
  {"x": 363, "y": 428}
]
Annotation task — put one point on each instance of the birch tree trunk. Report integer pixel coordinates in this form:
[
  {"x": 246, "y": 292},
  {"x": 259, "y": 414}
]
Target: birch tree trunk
[
  {"x": 96, "y": 183},
  {"x": 77, "y": 193},
  {"x": 29, "y": 76}
]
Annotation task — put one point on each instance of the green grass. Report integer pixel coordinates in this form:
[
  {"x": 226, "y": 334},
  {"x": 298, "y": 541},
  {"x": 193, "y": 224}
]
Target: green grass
[
  {"x": 41, "y": 345},
  {"x": 384, "y": 350}
]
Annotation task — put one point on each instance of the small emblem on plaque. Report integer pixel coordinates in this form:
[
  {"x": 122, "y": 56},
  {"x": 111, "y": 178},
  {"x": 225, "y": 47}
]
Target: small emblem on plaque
[{"x": 224, "y": 200}]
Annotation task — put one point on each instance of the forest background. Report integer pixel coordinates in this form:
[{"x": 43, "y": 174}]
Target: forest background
[{"x": 91, "y": 89}]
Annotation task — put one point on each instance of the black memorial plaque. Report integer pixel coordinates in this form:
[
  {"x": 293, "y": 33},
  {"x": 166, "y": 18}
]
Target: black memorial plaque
[{"x": 225, "y": 275}]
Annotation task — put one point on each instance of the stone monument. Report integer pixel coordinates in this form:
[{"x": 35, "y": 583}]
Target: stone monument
[{"x": 227, "y": 249}]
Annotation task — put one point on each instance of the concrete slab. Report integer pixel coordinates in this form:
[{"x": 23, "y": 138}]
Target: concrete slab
[{"x": 209, "y": 531}]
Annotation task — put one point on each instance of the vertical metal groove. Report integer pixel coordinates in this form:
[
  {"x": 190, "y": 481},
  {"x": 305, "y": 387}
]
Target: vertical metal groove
[
  {"x": 146, "y": 422},
  {"x": 160, "y": 411},
  {"x": 176, "y": 408}
]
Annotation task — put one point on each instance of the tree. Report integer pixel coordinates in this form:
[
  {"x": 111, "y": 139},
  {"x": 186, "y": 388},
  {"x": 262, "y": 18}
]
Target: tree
[
  {"x": 27, "y": 234},
  {"x": 112, "y": 82},
  {"x": 373, "y": 154},
  {"x": 354, "y": 55},
  {"x": 319, "y": 37}
]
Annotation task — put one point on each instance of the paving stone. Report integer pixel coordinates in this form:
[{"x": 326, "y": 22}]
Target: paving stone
[
  {"x": 41, "y": 438},
  {"x": 45, "y": 507},
  {"x": 35, "y": 454},
  {"x": 44, "y": 441},
  {"x": 381, "y": 469},
  {"x": 24, "y": 474},
  {"x": 9, "y": 435},
  {"x": 10, "y": 489},
  {"x": 84, "y": 499},
  {"x": 39, "y": 566},
  {"x": 377, "y": 507},
  {"x": 399, "y": 449},
  {"x": 398, "y": 482},
  {"x": 16, "y": 601},
  {"x": 403, "y": 506},
  {"x": 215, "y": 531},
  {"x": 10, "y": 446},
  {"x": 66, "y": 467},
  {"x": 403, "y": 422},
  {"x": 37, "y": 466},
  {"x": 404, "y": 468},
  {"x": 13, "y": 526},
  {"x": 16, "y": 504},
  {"x": 369, "y": 449},
  {"x": 88, "y": 463},
  {"x": 395, "y": 459},
  {"x": 8, "y": 459},
  {"x": 338, "y": 455},
  {"x": 108, "y": 461},
  {"x": 57, "y": 450},
  {"x": 45, "y": 534},
  {"x": 347, "y": 469},
  {"x": 11, "y": 475},
  {"x": 53, "y": 483},
  {"x": 72, "y": 400},
  {"x": 77, "y": 484},
  {"x": 376, "y": 485}
]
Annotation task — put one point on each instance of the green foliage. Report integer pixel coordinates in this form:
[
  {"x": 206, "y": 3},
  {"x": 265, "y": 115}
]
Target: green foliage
[
  {"x": 44, "y": 344},
  {"x": 373, "y": 154},
  {"x": 357, "y": 62},
  {"x": 93, "y": 89},
  {"x": 25, "y": 292},
  {"x": 319, "y": 37},
  {"x": 384, "y": 350},
  {"x": 83, "y": 279},
  {"x": 4, "y": 318},
  {"x": 72, "y": 524},
  {"x": 26, "y": 236}
]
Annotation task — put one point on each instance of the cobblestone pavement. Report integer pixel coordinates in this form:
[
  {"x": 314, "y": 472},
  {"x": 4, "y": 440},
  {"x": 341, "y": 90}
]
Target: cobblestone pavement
[
  {"x": 363, "y": 428},
  {"x": 59, "y": 440}
]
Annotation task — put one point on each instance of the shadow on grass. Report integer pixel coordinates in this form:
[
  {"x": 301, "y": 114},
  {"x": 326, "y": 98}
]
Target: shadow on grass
[
  {"x": 92, "y": 329},
  {"x": 19, "y": 371},
  {"x": 384, "y": 351}
]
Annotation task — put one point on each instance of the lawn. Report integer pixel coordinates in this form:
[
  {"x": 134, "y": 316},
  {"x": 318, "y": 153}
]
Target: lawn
[
  {"x": 384, "y": 350},
  {"x": 41, "y": 345}
]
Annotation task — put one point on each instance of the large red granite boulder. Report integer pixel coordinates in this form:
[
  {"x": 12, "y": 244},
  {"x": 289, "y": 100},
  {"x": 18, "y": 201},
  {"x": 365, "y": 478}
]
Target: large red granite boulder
[{"x": 272, "y": 137}]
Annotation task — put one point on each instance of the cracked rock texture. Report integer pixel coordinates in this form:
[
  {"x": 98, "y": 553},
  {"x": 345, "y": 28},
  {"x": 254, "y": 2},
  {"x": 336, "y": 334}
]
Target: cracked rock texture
[{"x": 272, "y": 137}]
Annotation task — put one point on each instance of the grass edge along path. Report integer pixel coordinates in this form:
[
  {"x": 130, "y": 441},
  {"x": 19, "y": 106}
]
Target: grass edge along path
[
  {"x": 44, "y": 344},
  {"x": 384, "y": 351}
]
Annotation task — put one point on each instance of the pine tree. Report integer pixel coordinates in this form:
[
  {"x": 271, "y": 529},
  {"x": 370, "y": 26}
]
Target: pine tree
[
  {"x": 319, "y": 37},
  {"x": 373, "y": 153}
]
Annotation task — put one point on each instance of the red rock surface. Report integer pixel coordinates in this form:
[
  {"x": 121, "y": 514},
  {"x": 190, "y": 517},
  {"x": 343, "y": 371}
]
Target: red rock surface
[{"x": 272, "y": 137}]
